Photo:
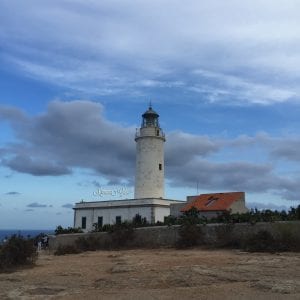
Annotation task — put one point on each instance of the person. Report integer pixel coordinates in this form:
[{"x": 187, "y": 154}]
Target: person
[
  {"x": 39, "y": 246},
  {"x": 45, "y": 242}
]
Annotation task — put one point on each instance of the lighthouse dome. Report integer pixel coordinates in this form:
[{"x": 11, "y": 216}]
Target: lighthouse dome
[{"x": 150, "y": 118}]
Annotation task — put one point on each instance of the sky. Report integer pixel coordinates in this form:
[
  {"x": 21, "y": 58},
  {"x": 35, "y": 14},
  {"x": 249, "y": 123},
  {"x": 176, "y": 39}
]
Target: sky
[{"x": 76, "y": 76}]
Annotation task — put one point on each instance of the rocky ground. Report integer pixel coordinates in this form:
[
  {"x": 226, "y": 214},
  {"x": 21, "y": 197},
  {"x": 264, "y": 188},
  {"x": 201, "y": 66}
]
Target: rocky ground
[{"x": 157, "y": 274}]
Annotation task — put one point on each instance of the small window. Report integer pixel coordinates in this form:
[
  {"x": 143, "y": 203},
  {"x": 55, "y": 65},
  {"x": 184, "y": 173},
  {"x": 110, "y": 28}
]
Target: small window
[
  {"x": 100, "y": 222},
  {"x": 160, "y": 167},
  {"x": 157, "y": 132},
  {"x": 118, "y": 220},
  {"x": 83, "y": 222}
]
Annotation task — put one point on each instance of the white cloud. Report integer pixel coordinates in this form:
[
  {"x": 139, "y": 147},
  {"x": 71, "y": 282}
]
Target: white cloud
[{"x": 117, "y": 47}]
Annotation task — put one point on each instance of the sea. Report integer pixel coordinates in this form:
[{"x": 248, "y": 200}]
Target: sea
[{"x": 6, "y": 233}]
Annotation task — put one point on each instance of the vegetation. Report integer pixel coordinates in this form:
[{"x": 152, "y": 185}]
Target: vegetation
[
  {"x": 287, "y": 238},
  {"x": 119, "y": 236},
  {"x": 60, "y": 230},
  {"x": 17, "y": 251},
  {"x": 224, "y": 237},
  {"x": 190, "y": 234},
  {"x": 254, "y": 216}
]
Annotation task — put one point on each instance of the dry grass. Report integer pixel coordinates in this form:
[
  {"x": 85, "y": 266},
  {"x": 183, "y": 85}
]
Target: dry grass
[{"x": 157, "y": 274}]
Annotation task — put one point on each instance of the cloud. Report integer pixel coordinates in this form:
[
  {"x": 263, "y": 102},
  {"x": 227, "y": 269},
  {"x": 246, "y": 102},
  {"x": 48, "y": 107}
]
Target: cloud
[
  {"x": 96, "y": 183},
  {"x": 13, "y": 193},
  {"x": 12, "y": 114},
  {"x": 68, "y": 205},
  {"x": 29, "y": 209},
  {"x": 182, "y": 147},
  {"x": 36, "y": 205},
  {"x": 265, "y": 206},
  {"x": 278, "y": 147},
  {"x": 72, "y": 134},
  {"x": 76, "y": 134},
  {"x": 37, "y": 167},
  {"x": 127, "y": 47}
]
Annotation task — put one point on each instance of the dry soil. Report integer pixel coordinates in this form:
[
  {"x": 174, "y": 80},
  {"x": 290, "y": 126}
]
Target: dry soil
[{"x": 157, "y": 274}]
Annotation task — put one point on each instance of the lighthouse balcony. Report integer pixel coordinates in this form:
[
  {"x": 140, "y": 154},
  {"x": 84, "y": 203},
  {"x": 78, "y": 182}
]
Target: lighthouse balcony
[{"x": 150, "y": 132}]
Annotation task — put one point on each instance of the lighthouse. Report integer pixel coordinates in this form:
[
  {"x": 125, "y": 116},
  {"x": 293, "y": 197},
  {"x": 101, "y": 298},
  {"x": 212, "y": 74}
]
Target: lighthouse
[
  {"x": 149, "y": 177},
  {"x": 149, "y": 200}
]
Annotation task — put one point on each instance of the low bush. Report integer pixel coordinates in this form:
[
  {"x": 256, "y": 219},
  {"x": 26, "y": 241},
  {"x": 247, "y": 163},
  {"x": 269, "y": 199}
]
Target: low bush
[
  {"x": 17, "y": 251},
  {"x": 190, "y": 234},
  {"x": 121, "y": 235},
  {"x": 224, "y": 237},
  {"x": 288, "y": 236},
  {"x": 60, "y": 230},
  {"x": 262, "y": 241}
]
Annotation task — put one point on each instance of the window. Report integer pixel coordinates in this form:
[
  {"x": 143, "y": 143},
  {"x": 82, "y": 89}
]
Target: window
[
  {"x": 83, "y": 222},
  {"x": 211, "y": 201},
  {"x": 100, "y": 222},
  {"x": 160, "y": 167},
  {"x": 157, "y": 132},
  {"x": 118, "y": 220}
]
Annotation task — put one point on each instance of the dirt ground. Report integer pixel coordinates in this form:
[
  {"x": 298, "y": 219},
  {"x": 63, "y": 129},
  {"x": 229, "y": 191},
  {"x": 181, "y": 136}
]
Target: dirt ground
[{"x": 157, "y": 274}]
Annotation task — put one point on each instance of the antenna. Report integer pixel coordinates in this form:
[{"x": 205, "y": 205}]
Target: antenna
[{"x": 150, "y": 104}]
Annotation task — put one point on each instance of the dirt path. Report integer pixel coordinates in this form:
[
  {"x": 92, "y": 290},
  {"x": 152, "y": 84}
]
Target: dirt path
[{"x": 157, "y": 274}]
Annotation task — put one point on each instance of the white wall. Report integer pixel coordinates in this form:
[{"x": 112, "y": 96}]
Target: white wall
[
  {"x": 109, "y": 215},
  {"x": 161, "y": 213}
]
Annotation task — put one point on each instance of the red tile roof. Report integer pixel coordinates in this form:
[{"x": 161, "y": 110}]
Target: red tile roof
[{"x": 214, "y": 202}]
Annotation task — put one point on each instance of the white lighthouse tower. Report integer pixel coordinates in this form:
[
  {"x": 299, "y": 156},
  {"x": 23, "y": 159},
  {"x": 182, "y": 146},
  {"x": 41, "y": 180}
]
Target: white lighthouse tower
[
  {"x": 149, "y": 178},
  {"x": 149, "y": 201}
]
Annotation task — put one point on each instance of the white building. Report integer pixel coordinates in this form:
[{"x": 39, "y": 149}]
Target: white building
[{"x": 149, "y": 199}]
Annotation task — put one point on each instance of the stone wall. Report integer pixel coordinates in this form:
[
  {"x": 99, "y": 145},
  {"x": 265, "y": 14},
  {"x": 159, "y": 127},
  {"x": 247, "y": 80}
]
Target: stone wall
[{"x": 166, "y": 236}]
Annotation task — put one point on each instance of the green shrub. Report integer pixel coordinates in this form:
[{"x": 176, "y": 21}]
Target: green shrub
[
  {"x": 224, "y": 236},
  {"x": 121, "y": 234},
  {"x": 60, "y": 230},
  {"x": 262, "y": 241},
  {"x": 189, "y": 235},
  {"x": 17, "y": 251},
  {"x": 288, "y": 236}
]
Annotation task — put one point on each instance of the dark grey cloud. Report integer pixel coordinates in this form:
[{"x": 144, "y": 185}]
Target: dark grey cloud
[
  {"x": 96, "y": 183},
  {"x": 67, "y": 205},
  {"x": 36, "y": 205},
  {"x": 238, "y": 176},
  {"x": 37, "y": 167},
  {"x": 278, "y": 147},
  {"x": 12, "y": 114},
  {"x": 287, "y": 149},
  {"x": 181, "y": 148},
  {"x": 13, "y": 193},
  {"x": 232, "y": 176},
  {"x": 73, "y": 134},
  {"x": 77, "y": 135}
]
